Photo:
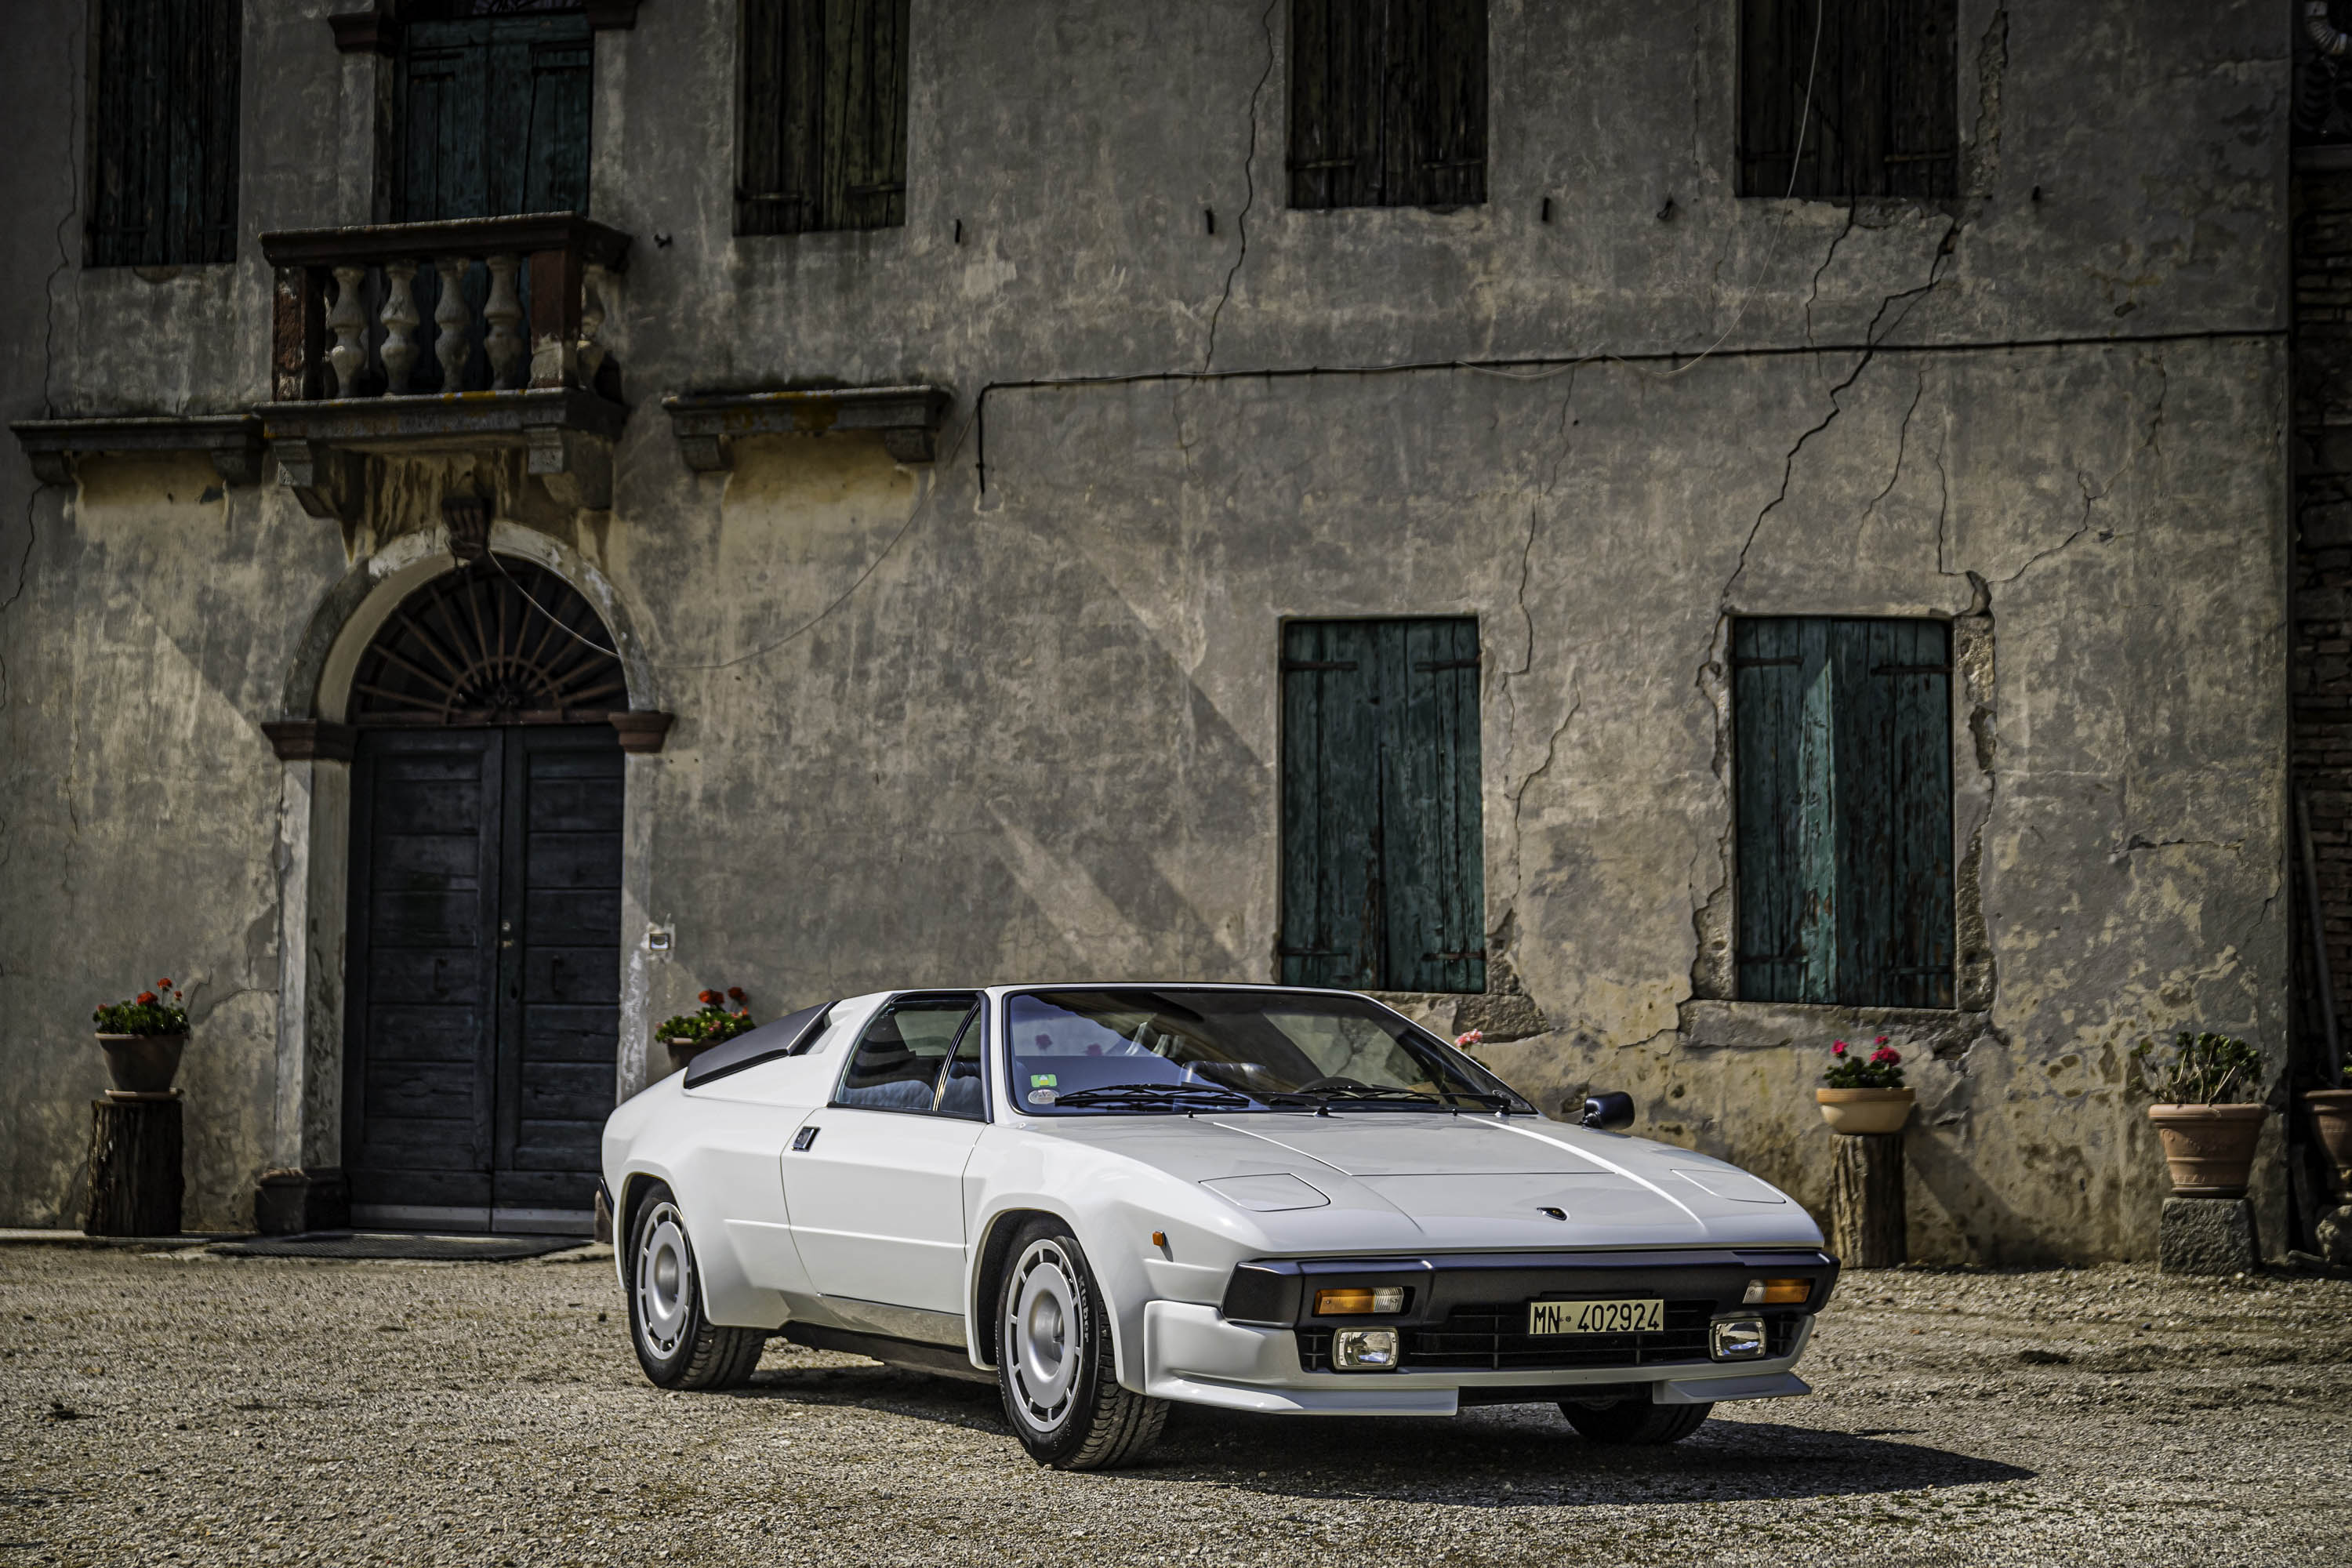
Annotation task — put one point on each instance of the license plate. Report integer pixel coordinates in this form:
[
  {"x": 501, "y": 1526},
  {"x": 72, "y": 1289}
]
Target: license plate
[{"x": 1596, "y": 1317}]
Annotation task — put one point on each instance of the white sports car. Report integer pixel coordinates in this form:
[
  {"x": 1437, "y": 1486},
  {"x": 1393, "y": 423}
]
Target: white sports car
[{"x": 1103, "y": 1198}]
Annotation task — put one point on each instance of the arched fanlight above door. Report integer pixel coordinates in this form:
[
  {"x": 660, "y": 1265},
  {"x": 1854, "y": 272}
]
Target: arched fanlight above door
[{"x": 498, "y": 641}]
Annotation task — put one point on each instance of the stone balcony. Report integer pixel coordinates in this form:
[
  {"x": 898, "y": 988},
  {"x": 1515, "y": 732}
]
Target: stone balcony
[{"x": 514, "y": 358}]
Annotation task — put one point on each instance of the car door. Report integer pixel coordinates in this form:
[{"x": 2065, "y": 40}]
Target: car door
[{"x": 874, "y": 1180}]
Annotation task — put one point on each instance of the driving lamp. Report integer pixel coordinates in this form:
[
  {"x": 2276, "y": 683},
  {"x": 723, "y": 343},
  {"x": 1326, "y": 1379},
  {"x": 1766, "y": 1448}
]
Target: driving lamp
[
  {"x": 1777, "y": 1292},
  {"x": 1364, "y": 1350},
  {"x": 1736, "y": 1339},
  {"x": 1347, "y": 1303}
]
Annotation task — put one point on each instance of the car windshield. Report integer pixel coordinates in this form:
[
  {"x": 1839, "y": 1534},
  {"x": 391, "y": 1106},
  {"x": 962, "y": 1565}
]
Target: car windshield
[{"x": 1139, "y": 1051}]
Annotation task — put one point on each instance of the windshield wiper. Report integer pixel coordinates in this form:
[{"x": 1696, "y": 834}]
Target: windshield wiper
[
  {"x": 1157, "y": 1094},
  {"x": 1383, "y": 1094}
]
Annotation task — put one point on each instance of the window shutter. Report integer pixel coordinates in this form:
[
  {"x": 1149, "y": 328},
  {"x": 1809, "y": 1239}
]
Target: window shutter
[
  {"x": 444, "y": 111},
  {"x": 866, "y": 114},
  {"x": 554, "y": 174},
  {"x": 1336, "y": 65},
  {"x": 1435, "y": 103},
  {"x": 1332, "y": 922},
  {"x": 1433, "y": 860},
  {"x": 164, "y": 133},
  {"x": 1894, "y": 857}
]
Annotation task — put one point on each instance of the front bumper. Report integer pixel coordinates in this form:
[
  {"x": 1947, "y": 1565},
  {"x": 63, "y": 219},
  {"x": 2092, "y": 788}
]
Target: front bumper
[{"x": 1264, "y": 1349}]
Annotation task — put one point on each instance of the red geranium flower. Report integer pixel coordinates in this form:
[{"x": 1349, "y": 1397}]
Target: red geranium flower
[
  {"x": 735, "y": 993},
  {"x": 164, "y": 985},
  {"x": 1879, "y": 1041},
  {"x": 708, "y": 998},
  {"x": 144, "y": 998},
  {"x": 1885, "y": 1056},
  {"x": 1837, "y": 1048}
]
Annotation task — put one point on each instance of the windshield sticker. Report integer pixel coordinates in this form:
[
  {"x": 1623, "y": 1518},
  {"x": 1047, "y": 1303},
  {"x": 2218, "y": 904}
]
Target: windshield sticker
[
  {"x": 1042, "y": 1080},
  {"x": 1041, "y": 1096}
]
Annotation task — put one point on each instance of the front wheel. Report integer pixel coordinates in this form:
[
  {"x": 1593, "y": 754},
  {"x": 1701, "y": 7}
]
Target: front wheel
[
  {"x": 1634, "y": 1421},
  {"x": 676, "y": 1345},
  {"x": 1052, "y": 1361}
]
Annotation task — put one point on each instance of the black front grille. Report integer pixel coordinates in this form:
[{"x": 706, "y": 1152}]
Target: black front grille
[{"x": 1493, "y": 1337}]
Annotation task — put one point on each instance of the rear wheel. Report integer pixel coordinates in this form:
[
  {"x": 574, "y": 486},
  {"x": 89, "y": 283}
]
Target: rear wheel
[
  {"x": 676, "y": 1343},
  {"x": 1634, "y": 1421},
  {"x": 1053, "y": 1361}
]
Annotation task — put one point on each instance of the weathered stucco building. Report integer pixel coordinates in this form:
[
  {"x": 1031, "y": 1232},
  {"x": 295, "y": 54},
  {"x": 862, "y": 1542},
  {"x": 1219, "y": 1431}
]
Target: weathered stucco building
[{"x": 1106, "y": 494}]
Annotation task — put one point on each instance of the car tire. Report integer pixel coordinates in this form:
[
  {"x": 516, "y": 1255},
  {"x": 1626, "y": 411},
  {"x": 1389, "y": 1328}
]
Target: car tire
[
  {"x": 1053, "y": 1367},
  {"x": 1634, "y": 1421},
  {"x": 676, "y": 1343}
]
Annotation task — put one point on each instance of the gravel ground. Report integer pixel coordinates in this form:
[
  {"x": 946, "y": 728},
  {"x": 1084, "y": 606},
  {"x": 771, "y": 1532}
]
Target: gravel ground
[{"x": 178, "y": 1407}]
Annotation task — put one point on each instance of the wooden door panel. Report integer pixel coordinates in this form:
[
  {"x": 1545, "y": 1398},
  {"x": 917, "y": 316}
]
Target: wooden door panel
[
  {"x": 421, "y": 1041},
  {"x": 494, "y": 117},
  {"x": 560, "y": 986}
]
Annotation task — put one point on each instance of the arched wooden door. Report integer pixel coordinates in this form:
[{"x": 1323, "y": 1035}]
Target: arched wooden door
[{"x": 482, "y": 1014}]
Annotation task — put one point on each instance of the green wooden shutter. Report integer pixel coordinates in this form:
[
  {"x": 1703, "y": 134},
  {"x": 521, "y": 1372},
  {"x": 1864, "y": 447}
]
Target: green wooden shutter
[
  {"x": 866, "y": 113},
  {"x": 1843, "y": 773},
  {"x": 1383, "y": 878},
  {"x": 163, "y": 142},
  {"x": 1433, "y": 860},
  {"x": 1332, "y": 924},
  {"x": 494, "y": 117}
]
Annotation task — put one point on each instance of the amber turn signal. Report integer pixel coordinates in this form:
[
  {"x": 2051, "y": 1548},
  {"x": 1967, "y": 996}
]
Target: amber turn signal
[
  {"x": 1337, "y": 1303},
  {"x": 1777, "y": 1293}
]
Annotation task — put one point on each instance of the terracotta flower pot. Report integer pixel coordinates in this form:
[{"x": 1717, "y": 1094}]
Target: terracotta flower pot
[
  {"x": 2210, "y": 1148},
  {"x": 683, "y": 1051},
  {"x": 143, "y": 1064},
  {"x": 2331, "y": 1112},
  {"x": 1857, "y": 1112}
]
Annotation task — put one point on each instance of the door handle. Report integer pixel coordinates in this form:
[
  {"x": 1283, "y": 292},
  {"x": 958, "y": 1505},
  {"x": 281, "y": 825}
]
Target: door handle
[{"x": 804, "y": 1137}]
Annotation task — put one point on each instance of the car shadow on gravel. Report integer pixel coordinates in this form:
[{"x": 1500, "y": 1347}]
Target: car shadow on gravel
[{"x": 1500, "y": 1455}]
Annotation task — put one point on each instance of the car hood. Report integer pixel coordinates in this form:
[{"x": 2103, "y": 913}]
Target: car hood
[{"x": 1453, "y": 1183}]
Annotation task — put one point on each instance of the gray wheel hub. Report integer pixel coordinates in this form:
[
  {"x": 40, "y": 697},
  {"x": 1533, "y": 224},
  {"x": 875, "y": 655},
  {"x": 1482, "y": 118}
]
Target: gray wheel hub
[
  {"x": 1045, "y": 1344},
  {"x": 665, "y": 1281}
]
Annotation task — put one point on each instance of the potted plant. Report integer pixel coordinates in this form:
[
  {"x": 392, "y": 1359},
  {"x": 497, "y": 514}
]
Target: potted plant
[
  {"x": 1864, "y": 1095},
  {"x": 2209, "y": 1137},
  {"x": 143, "y": 1039},
  {"x": 689, "y": 1035},
  {"x": 2331, "y": 1112}
]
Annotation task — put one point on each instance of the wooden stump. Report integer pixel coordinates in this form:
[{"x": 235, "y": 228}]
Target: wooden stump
[
  {"x": 1866, "y": 1226},
  {"x": 135, "y": 1182}
]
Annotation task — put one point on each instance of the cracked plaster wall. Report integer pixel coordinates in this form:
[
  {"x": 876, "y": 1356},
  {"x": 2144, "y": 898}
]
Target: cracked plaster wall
[{"x": 930, "y": 734}]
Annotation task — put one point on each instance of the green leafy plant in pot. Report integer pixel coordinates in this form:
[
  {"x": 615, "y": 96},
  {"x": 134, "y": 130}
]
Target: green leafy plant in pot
[
  {"x": 689, "y": 1035},
  {"x": 2205, "y": 1112},
  {"x": 143, "y": 1039},
  {"x": 1865, "y": 1094}
]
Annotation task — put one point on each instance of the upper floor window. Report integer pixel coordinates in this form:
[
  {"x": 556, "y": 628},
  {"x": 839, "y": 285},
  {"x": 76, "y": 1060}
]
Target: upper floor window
[
  {"x": 493, "y": 110},
  {"x": 1884, "y": 118},
  {"x": 823, "y": 127},
  {"x": 163, "y": 132},
  {"x": 1388, "y": 103},
  {"x": 1843, "y": 763},
  {"x": 1384, "y": 884}
]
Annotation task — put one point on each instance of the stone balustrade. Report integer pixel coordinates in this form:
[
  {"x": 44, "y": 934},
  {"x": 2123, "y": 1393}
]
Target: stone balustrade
[{"x": 516, "y": 303}]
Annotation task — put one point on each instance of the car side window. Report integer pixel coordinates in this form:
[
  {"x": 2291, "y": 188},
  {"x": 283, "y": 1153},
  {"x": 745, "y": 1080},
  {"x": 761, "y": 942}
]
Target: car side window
[
  {"x": 961, "y": 1092},
  {"x": 900, "y": 1057}
]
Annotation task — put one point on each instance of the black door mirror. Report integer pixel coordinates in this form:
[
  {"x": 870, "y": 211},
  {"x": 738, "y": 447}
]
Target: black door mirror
[{"x": 1606, "y": 1112}]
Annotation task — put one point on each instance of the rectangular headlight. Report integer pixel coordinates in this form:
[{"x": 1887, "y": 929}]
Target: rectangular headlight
[
  {"x": 1736, "y": 1339},
  {"x": 1778, "y": 1293},
  {"x": 1378, "y": 1299},
  {"x": 1364, "y": 1350}
]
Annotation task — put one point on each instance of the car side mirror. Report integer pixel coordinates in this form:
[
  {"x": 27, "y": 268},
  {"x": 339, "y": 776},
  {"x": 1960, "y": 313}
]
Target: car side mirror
[{"x": 1606, "y": 1112}]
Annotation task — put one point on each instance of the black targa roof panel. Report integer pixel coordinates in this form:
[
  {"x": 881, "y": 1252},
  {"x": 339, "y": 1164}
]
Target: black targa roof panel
[{"x": 766, "y": 1044}]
